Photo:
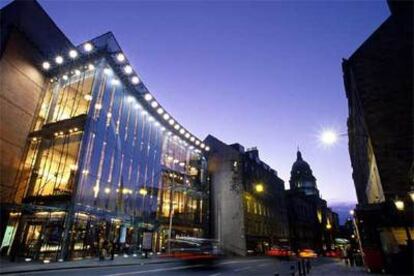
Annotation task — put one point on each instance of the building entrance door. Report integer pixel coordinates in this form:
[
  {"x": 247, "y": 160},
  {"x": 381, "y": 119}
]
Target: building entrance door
[{"x": 32, "y": 240}]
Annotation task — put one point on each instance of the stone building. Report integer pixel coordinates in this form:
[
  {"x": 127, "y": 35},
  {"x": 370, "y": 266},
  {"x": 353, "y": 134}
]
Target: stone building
[
  {"x": 311, "y": 223},
  {"x": 247, "y": 200},
  {"x": 378, "y": 81}
]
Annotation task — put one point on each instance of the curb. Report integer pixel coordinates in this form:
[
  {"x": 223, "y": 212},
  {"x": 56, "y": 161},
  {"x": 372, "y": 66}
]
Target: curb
[{"x": 82, "y": 267}]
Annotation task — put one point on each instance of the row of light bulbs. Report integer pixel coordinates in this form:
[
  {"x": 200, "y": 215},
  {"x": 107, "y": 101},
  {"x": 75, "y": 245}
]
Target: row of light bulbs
[{"x": 128, "y": 70}]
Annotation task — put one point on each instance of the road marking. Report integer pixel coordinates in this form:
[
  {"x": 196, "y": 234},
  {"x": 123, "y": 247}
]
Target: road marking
[
  {"x": 261, "y": 265},
  {"x": 155, "y": 270},
  {"x": 243, "y": 261}
]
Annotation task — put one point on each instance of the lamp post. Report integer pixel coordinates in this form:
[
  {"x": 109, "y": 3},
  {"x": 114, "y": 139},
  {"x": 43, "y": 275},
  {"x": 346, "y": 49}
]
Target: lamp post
[
  {"x": 352, "y": 213},
  {"x": 399, "y": 205}
]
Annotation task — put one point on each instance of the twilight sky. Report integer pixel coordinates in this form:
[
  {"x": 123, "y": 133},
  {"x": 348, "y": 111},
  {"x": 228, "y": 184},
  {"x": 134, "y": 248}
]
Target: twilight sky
[{"x": 265, "y": 74}]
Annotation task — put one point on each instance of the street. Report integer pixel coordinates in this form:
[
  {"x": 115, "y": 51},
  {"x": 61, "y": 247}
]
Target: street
[{"x": 233, "y": 266}]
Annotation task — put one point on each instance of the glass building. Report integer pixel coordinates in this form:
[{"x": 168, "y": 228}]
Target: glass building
[{"x": 105, "y": 162}]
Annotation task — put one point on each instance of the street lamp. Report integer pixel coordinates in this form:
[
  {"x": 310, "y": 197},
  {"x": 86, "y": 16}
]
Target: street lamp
[
  {"x": 399, "y": 204},
  {"x": 329, "y": 137},
  {"x": 259, "y": 188}
]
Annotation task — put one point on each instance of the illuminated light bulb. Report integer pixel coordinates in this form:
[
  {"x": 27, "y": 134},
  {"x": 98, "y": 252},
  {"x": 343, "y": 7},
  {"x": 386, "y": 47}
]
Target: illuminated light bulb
[
  {"x": 87, "y": 47},
  {"x": 169, "y": 133},
  {"x": 154, "y": 104},
  {"x": 166, "y": 116},
  {"x": 77, "y": 72},
  {"x": 191, "y": 147},
  {"x": 157, "y": 124},
  {"x": 150, "y": 118},
  {"x": 73, "y": 167},
  {"x": 34, "y": 139},
  {"x": 177, "y": 126},
  {"x": 137, "y": 106},
  {"x": 61, "y": 133},
  {"x": 143, "y": 192},
  {"x": 120, "y": 57},
  {"x": 75, "y": 129},
  {"x": 130, "y": 99},
  {"x": 135, "y": 80},
  {"x": 192, "y": 139},
  {"x": 207, "y": 148},
  {"x": 46, "y": 65},
  {"x": 399, "y": 204},
  {"x": 59, "y": 59},
  {"x": 65, "y": 77},
  {"x": 128, "y": 69},
  {"x": 115, "y": 82},
  {"x": 187, "y": 135},
  {"x": 163, "y": 128},
  {"x": 197, "y": 142},
  {"x": 202, "y": 146},
  {"x": 98, "y": 106},
  {"x": 107, "y": 190},
  {"x": 148, "y": 97},
  {"x": 160, "y": 110},
  {"x": 91, "y": 66},
  {"x": 171, "y": 121},
  {"x": 73, "y": 54},
  {"x": 182, "y": 131},
  {"x": 109, "y": 115},
  {"x": 107, "y": 71},
  {"x": 87, "y": 97}
]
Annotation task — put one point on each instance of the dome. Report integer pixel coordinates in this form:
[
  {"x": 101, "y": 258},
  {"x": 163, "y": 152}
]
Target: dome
[
  {"x": 301, "y": 176},
  {"x": 301, "y": 168}
]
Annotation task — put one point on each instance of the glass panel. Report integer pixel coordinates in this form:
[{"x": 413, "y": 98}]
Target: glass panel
[
  {"x": 71, "y": 97},
  {"x": 55, "y": 166}
]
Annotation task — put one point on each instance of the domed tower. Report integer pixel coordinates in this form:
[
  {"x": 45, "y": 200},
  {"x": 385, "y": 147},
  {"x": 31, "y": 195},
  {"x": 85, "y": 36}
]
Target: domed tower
[{"x": 301, "y": 177}]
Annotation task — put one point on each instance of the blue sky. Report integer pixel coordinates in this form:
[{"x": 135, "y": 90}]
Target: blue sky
[{"x": 265, "y": 74}]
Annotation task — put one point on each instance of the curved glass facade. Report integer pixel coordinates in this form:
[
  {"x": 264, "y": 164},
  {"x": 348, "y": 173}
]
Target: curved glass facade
[{"x": 99, "y": 158}]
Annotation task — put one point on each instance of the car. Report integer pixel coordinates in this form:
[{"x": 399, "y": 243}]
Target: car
[
  {"x": 307, "y": 253},
  {"x": 333, "y": 253},
  {"x": 279, "y": 251},
  {"x": 190, "y": 249}
]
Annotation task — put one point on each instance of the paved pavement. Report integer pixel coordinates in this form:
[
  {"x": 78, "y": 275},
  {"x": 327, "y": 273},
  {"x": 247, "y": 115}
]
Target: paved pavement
[
  {"x": 7, "y": 267},
  {"x": 164, "y": 266}
]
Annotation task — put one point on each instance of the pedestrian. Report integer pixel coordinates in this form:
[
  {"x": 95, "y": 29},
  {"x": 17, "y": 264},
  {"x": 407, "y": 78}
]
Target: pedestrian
[{"x": 113, "y": 245}]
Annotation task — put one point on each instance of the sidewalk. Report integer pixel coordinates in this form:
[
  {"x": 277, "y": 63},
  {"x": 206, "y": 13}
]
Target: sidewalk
[
  {"x": 7, "y": 267},
  {"x": 338, "y": 267}
]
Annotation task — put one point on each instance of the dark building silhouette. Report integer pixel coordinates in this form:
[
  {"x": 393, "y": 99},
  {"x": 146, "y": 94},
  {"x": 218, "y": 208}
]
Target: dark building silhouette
[
  {"x": 378, "y": 81},
  {"x": 311, "y": 223},
  {"x": 301, "y": 177}
]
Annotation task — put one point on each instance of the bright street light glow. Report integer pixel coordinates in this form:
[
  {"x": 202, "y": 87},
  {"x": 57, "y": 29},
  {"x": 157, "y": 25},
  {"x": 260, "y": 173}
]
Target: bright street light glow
[
  {"x": 259, "y": 188},
  {"x": 399, "y": 204},
  {"x": 329, "y": 137}
]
